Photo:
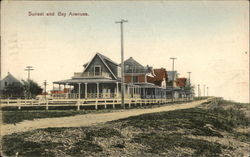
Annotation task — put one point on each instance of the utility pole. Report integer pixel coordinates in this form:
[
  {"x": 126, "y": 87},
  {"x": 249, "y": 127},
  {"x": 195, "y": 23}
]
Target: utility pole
[
  {"x": 122, "y": 63},
  {"x": 189, "y": 84},
  {"x": 207, "y": 91},
  {"x": 204, "y": 90},
  {"x": 45, "y": 84},
  {"x": 199, "y": 92},
  {"x": 189, "y": 81},
  {"x": 29, "y": 68},
  {"x": 173, "y": 77}
]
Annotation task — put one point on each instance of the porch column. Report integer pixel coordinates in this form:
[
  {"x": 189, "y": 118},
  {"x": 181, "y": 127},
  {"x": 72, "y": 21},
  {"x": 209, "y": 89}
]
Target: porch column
[
  {"x": 97, "y": 89},
  {"x": 53, "y": 90},
  {"x": 117, "y": 89},
  {"x": 59, "y": 87},
  {"x": 67, "y": 85},
  {"x": 128, "y": 89},
  {"x": 133, "y": 92},
  {"x": 86, "y": 90},
  {"x": 69, "y": 89},
  {"x": 79, "y": 91},
  {"x": 144, "y": 93},
  {"x": 139, "y": 91}
]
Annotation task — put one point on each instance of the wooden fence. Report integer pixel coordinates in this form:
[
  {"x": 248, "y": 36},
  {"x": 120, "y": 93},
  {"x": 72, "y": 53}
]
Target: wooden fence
[{"x": 21, "y": 103}]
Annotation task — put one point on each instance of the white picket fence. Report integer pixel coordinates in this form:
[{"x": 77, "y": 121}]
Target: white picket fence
[{"x": 21, "y": 103}]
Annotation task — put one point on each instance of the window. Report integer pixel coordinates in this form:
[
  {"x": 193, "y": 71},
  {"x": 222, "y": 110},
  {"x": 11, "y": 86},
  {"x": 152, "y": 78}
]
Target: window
[
  {"x": 97, "y": 70},
  {"x": 126, "y": 67},
  {"x": 134, "y": 79},
  {"x": 6, "y": 83}
]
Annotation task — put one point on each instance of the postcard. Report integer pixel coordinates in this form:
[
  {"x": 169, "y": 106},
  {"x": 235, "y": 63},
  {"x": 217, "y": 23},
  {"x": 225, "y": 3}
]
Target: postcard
[{"x": 125, "y": 78}]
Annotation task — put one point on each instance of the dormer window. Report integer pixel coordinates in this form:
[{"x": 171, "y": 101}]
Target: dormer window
[{"x": 97, "y": 70}]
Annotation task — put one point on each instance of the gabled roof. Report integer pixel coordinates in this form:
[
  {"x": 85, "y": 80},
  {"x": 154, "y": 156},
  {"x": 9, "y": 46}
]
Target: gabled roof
[
  {"x": 135, "y": 67},
  {"x": 107, "y": 59},
  {"x": 10, "y": 77},
  {"x": 104, "y": 59},
  {"x": 181, "y": 82},
  {"x": 160, "y": 74},
  {"x": 133, "y": 62}
]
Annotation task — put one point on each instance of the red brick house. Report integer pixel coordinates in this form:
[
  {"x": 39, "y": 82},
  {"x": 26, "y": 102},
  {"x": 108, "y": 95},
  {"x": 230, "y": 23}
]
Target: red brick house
[{"x": 148, "y": 79}]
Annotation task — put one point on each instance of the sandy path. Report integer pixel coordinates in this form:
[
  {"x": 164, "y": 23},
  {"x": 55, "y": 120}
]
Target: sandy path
[{"x": 87, "y": 119}]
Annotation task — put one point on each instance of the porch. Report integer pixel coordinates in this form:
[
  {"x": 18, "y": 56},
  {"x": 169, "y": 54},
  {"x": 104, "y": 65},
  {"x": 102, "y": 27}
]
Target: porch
[{"x": 93, "y": 88}]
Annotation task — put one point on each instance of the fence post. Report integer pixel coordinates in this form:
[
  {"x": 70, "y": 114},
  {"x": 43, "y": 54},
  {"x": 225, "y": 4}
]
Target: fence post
[
  {"x": 129, "y": 104},
  {"x": 19, "y": 104},
  {"x": 105, "y": 105},
  {"x": 96, "y": 106},
  {"x": 8, "y": 101},
  {"x": 47, "y": 104},
  {"x": 113, "y": 103},
  {"x": 77, "y": 105},
  {"x": 31, "y": 101}
]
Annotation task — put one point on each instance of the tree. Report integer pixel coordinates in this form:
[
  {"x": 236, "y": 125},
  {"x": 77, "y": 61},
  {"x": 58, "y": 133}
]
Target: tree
[
  {"x": 189, "y": 90},
  {"x": 31, "y": 88}
]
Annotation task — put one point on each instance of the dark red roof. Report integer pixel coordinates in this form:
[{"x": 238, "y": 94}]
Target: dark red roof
[
  {"x": 181, "y": 82},
  {"x": 160, "y": 74}
]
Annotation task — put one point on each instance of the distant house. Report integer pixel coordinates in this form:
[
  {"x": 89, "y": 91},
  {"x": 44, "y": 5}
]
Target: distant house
[
  {"x": 9, "y": 79},
  {"x": 16, "y": 89}
]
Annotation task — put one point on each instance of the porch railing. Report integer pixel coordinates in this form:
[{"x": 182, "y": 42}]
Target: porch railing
[
  {"x": 92, "y": 95},
  {"x": 91, "y": 75}
]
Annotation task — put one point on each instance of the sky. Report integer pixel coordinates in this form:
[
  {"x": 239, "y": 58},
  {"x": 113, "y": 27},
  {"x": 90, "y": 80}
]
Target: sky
[{"x": 208, "y": 38}]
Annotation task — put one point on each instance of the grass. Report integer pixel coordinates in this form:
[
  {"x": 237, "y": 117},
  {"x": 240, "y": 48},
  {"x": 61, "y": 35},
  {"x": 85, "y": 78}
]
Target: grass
[
  {"x": 21, "y": 142},
  {"x": 160, "y": 143},
  {"x": 16, "y": 143},
  {"x": 194, "y": 120},
  {"x": 16, "y": 116},
  {"x": 153, "y": 134}
]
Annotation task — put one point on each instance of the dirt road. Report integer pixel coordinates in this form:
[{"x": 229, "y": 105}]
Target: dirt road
[{"x": 88, "y": 119}]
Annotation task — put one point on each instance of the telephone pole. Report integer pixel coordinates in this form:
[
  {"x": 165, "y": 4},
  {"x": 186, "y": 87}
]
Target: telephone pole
[
  {"x": 29, "y": 68},
  {"x": 173, "y": 77},
  {"x": 199, "y": 92},
  {"x": 204, "y": 89},
  {"x": 189, "y": 84},
  {"x": 207, "y": 91},
  {"x": 189, "y": 81},
  {"x": 122, "y": 63},
  {"x": 45, "y": 84}
]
